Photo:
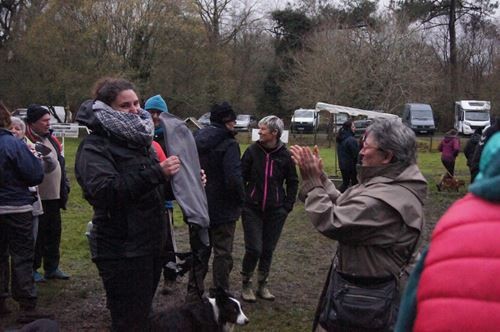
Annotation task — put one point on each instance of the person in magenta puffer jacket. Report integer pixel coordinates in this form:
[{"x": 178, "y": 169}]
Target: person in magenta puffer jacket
[
  {"x": 455, "y": 285},
  {"x": 449, "y": 148}
]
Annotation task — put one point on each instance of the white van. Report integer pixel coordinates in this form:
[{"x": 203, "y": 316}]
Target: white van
[
  {"x": 58, "y": 114},
  {"x": 471, "y": 115},
  {"x": 304, "y": 120},
  {"x": 419, "y": 118}
]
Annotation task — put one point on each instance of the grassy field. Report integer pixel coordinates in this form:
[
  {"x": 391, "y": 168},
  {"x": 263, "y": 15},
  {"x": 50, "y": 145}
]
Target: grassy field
[{"x": 299, "y": 267}]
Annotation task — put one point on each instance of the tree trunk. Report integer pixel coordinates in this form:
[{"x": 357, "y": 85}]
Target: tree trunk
[{"x": 454, "y": 85}]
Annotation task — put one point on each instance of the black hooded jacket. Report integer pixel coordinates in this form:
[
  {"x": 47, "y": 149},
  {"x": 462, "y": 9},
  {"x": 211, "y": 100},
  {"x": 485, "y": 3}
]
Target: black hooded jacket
[
  {"x": 265, "y": 173},
  {"x": 125, "y": 186},
  {"x": 347, "y": 150},
  {"x": 219, "y": 156}
]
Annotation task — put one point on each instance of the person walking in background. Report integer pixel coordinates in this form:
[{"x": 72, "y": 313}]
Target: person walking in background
[
  {"x": 455, "y": 285},
  {"x": 449, "y": 148},
  {"x": 19, "y": 170},
  {"x": 54, "y": 191},
  {"x": 470, "y": 148},
  {"x": 155, "y": 106},
  {"x": 271, "y": 183},
  {"x": 347, "y": 152},
  {"x": 124, "y": 182},
  {"x": 377, "y": 224},
  {"x": 490, "y": 131},
  {"x": 219, "y": 154}
]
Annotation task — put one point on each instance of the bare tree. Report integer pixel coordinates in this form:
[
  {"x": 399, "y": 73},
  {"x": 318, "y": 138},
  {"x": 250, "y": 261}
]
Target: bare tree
[{"x": 371, "y": 69}]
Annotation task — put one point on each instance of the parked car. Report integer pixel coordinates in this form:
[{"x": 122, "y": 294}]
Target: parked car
[
  {"x": 361, "y": 126},
  {"x": 204, "y": 120},
  {"x": 245, "y": 122}
]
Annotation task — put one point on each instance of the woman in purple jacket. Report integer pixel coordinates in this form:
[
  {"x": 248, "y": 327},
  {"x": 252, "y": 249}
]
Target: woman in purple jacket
[{"x": 449, "y": 148}]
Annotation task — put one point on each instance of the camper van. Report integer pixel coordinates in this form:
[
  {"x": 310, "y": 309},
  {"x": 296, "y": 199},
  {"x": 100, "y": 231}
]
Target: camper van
[
  {"x": 304, "y": 120},
  {"x": 471, "y": 115},
  {"x": 419, "y": 118}
]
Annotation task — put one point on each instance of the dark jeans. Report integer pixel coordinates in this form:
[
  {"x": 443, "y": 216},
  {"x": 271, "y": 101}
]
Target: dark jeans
[
  {"x": 221, "y": 242},
  {"x": 16, "y": 241},
  {"x": 348, "y": 178},
  {"x": 262, "y": 231},
  {"x": 49, "y": 237},
  {"x": 450, "y": 167},
  {"x": 130, "y": 285}
]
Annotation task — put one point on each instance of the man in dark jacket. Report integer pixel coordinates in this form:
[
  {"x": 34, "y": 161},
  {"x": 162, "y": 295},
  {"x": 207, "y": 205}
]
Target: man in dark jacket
[
  {"x": 53, "y": 191},
  {"x": 219, "y": 156},
  {"x": 474, "y": 167},
  {"x": 347, "y": 152},
  {"x": 470, "y": 148},
  {"x": 20, "y": 169}
]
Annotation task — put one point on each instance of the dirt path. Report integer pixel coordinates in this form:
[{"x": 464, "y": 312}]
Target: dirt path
[{"x": 300, "y": 265}]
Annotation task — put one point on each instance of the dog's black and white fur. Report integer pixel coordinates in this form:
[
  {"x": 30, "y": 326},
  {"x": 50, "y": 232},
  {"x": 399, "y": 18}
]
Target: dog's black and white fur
[{"x": 218, "y": 314}]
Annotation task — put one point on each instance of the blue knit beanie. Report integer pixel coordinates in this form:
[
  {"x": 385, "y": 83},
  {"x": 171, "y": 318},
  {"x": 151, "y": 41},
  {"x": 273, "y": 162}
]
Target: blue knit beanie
[
  {"x": 487, "y": 182},
  {"x": 156, "y": 103}
]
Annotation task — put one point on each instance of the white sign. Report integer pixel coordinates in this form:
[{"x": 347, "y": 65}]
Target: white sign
[
  {"x": 65, "y": 129},
  {"x": 255, "y": 135}
]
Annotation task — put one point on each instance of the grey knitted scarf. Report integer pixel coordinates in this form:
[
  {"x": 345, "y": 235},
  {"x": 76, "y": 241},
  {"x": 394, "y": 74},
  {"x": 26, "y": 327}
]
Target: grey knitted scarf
[{"x": 137, "y": 128}]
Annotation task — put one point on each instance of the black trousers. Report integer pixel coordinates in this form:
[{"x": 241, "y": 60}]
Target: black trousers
[
  {"x": 49, "y": 237},
  {"x": 262, "y": 231},
  {"x": 130, "y": 285},
  {"x": 348, "y": 178},
  {"x": 16, "y": 241},
  {"x": 450, "y": 167}
]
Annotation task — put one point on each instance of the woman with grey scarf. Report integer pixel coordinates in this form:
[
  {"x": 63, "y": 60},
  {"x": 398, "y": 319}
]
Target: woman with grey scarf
[{"x": 123, "y": 180}]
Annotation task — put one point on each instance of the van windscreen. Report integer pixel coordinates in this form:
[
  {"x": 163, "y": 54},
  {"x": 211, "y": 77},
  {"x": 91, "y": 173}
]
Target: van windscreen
[
  {"x": 304, "y": 114},
  {"x": 477, "y": 116},
  {"x": 421, "y": 114}
]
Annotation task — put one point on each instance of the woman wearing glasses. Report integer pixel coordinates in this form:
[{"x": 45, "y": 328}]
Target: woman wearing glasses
[{"x": 377, "y": 224}]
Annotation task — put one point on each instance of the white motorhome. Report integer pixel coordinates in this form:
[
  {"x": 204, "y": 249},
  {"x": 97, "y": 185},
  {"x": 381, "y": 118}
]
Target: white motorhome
[
  {"x": 471, "y": 115},
  {"x": 304, "y": 120}
]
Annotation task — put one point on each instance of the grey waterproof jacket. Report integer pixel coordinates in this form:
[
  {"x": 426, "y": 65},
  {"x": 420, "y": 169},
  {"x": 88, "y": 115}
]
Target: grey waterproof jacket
[
  {"x": 186, "y": 184},
  {"x": 377, "y": 222}
]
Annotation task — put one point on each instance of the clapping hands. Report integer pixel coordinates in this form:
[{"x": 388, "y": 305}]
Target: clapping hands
[{"x": 309, "y": 162}]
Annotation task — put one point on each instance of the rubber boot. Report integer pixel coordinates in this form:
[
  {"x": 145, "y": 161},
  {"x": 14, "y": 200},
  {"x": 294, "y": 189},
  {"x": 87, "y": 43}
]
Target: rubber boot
[
  {"x": 247, "y": 293},
  {"x": 263, "y": 292}
]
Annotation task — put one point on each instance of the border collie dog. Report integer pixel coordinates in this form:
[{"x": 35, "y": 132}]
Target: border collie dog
[{"x": 218, "y": 314}]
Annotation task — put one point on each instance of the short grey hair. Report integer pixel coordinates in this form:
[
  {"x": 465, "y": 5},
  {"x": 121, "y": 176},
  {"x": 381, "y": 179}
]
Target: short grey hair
[
  {"x": 273, "y": 123},
  {"x": 392, "y": 135},
  {"x": 19, "y": 122}
]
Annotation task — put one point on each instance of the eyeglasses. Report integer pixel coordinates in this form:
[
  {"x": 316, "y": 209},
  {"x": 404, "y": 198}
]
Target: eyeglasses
[{"x": 368, "y": 146}]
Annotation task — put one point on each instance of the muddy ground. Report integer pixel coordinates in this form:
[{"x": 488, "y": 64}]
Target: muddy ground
[{"x": 300, "y": 266}]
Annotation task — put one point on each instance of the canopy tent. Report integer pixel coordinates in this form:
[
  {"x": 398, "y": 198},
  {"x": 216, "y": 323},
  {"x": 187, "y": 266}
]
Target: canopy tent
[
  {"x": 340, "y": 114},
  {"x": 352, "y": 112}
]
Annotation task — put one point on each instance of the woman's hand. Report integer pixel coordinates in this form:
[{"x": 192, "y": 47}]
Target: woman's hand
[
  {"x": 203, "y": 177},
  {"x": 170, "y": 166},
  {"x": 310, "y": 164}
]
